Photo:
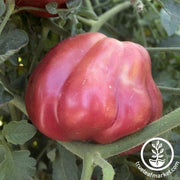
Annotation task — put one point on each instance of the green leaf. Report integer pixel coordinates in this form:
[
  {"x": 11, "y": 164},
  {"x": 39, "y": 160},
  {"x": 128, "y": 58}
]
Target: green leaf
[
  {"x": 2, "y": 7},
  {"x": 19, "y": 83},
  {"x": 42, "y": 166},
  {"x": 51, "y": 155},
  {"x": 168, "y": 23},
  {"x": 165, "y": 79},
  {"x": 11, "y": 42},
  {"x": 172, "y": 7},
  {"x": 173, "y": 41},
  {"x": 64, "y": 166},
  {"x": 17, "y": 165},
  {"x": 5, "y": 96},
  {"x": 5, "y": 91},
  {"x": 2, "y": 153},
  {"x": 23, "y": 162},
  {"x": 52, "y": 7},
  {"x": 18, "y": 132},
  {"x": 73, "y": 4},
  {"x": 5, "y": 166}
]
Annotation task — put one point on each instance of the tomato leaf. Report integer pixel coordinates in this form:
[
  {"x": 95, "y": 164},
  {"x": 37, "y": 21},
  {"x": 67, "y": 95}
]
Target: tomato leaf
[
  {"x": 5, "y": 90},
  {"x": 2, "y": 7},
  {"x": 73, "y": 4},
  {"x": 17, "y": 165},
  {"x": 173, "y": 41},
  {"x": 172, "y": 7},
  {"x": 169, "y": 24},
  {"x": 52, "y": 7},
  {"x": 2, "y": 153},
  {"x": 11, "y": 42},
  {"x": 5, "y": 96},
  {"x": 64, "y": 166},
  {"x": 23, "y": 162},
  {"x": 51, "y": 155},
  {"x": 18, "y": 132}
]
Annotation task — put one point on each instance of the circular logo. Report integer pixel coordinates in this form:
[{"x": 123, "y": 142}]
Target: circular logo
[{"x": 157, "y": 160}]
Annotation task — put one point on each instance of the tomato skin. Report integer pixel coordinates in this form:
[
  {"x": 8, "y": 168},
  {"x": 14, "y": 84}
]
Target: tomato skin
[
  {"x": 91, "y": 87},
  {"x": 39, "y": 4}
]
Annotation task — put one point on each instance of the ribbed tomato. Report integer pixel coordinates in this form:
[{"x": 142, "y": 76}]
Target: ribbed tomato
[{"x": 92, "y": 87}]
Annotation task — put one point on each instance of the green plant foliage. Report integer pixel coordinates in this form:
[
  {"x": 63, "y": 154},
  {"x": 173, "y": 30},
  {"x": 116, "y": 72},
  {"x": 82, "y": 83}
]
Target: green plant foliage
[
  {"x": 169, "y": 24},
  {"x": 52, "y": 7},
  {"x": 17, "y": 165},
  {"x": 11, "y": 42},
  {"x": 5, "y": 96},
  {"x": 2, "y": 7},
  {"x": 172, "y": 8},
  {"x": 64, "y": 165},
  {"x": 18, "y": 132}
]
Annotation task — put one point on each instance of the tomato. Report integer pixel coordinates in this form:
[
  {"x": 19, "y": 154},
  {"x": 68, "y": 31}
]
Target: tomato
[
  {"x": 39, "y": 4},
  {"x": 92, "y": 87}
]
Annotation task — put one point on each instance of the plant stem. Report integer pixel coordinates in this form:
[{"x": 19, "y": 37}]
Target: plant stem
[
  {"x": 163, "y": 49},
  {"x": 174, "y": 91},
  {"x": 109, "y": 14},
  {"x": 10, "y": 9},
  {"x": 108, "y": 171},
  {"x": 88, "y": 22},
  {"x": 88, "y": 167},
  {"x": 28, "y": 8},
  {"x": 89, "y": 5}
]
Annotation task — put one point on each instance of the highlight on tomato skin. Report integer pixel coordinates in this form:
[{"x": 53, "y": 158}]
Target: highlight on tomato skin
[
  {"x": 92, "y": 87},
  {"x": 39, "y": 4}
]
